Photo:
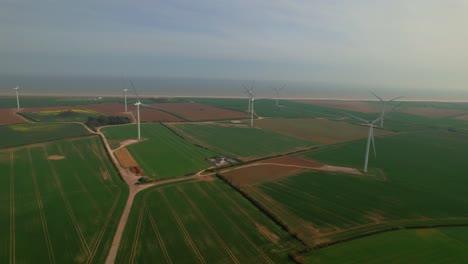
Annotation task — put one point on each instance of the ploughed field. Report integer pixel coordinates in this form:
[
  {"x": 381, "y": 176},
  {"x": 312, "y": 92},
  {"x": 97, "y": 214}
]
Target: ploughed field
[
  {"x": 438, "y": 245},
  {"x": 239, "y": 140},
  {"x": 60, "y": 202},
  {"x": 415, "y": 181},
  {"x": 22, "y": 134},
  {"x": 9, "y": 116},
  {"x": 197, "y": 112},
  {"x": 162, "y": 153},
  {"x": 201, "y": 221}
]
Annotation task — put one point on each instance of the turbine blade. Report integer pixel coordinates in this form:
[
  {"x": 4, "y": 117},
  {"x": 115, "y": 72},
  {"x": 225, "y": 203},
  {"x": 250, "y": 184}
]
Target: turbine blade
[
  {"x": 377, "y": 120},
  {"x": 373, "y": 141},
  {"x": 396, "y": 107},
  {"x": 284, "y": 86},
  {"x": 396, "y": 98},
  {"x": 376, "y": 96},
  {"x": 358, "y": 118}
]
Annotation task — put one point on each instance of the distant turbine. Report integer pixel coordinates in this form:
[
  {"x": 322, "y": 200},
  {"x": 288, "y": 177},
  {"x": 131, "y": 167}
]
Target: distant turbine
[
  {"x": 382, "y": 115},
  {"x": 17, "y": 97},
  {"x": 137, "y": 104},
  {"x": 277, "y": 93},
  {"x": 252, "y": 99},
  {"x": 248, "y": 91},
  {"x": 369, "y": 137},
  {"x": 125, "y": 99}
]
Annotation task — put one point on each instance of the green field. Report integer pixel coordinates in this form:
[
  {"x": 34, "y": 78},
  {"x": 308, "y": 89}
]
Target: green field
[
  {"x": 201, "y": 222},
  {"x": 23, "y": 134},
  {"x": 163, "y": 154},
  {"x": 72, "y": 115},
  {"x": 60, "y": 202},
  {"x": 410, "y": 184},
  {"x": 241, "y": 142},
  {"x": 442, "y": 245},
  {"x": 31, "y": 101}
]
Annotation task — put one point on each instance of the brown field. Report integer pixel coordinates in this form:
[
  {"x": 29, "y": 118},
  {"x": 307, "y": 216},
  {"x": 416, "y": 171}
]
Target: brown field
[
  {"x": 8, "y": 116},
  {"x": 431, "y": 112},
  {"x": 463, "y": 117},
  {"x": 110, "y": 109},
  {"x": 321, "y": 131},
  {"x": 153, "y": 115},
  {"x": 357, "y": 106},
  {"x": 195, "y": 112},
  {"x": 126, "y": 159}
]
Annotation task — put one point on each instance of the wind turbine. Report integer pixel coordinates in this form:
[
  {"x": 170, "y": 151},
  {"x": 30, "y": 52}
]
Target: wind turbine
[
  {"x": 17, "y": 97},
  {"x": 382, "y": 115},
  {"x": 277, "y": 90},
  {"x": 137, "y": 104},
  {"x": 370, "y": 137},
  {"x": 248, "y": 91},
  {"x": 125, "y": 99},
  {"x": 252, "y": 99}
]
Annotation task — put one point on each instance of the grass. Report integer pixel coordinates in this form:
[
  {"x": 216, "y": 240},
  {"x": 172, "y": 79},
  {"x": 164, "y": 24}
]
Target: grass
[
  {"x": 23, "y": 134},
  {"x": 72, "y": 115},
  {"x": 59, "y": 210},
  {"x": 241, "y": 142},
  {"x": 443, "y": 245},
  {"x": 163, "y": 154},
  {"x": 201, "y": 221},
  {"x": 410, "y": 184}
]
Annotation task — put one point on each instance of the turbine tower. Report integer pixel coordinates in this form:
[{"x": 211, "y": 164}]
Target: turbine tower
[
  {"x": 277, "y": 90},
  {"x": 248, "y": 91},
  {"x": 137, "y": 104},
  {"x": 125, "y": 99},
  {"x": 17, "y": 97},
  {"x": 382, "y": 115},
  {"x": 370, "y": 137}
]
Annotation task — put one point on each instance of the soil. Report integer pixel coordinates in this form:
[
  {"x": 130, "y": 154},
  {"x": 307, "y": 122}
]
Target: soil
[
  {"x": 357, "y": 106},
  {"x": 56, "y": 157},
  {"x": 125, "y": 159},
  {"x": 153, "y": 115},
  {"x": 110, "y": 109},
  {"x": 8, "y": 116},
  {"x": 196, "y": 112},
  {"x": 271, "y": 236}
]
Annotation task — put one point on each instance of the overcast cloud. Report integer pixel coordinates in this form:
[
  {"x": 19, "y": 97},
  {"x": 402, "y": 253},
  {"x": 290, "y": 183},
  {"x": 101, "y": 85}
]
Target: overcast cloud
[{"x": 401, "y": 43}]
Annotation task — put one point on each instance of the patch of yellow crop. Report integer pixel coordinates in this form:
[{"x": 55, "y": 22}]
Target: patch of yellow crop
[{"x": 31, "y": 127}]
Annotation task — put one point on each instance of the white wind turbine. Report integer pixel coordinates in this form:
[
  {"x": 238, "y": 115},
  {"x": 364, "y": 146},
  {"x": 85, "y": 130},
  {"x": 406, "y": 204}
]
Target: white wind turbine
[
  {"x": 252, "y": 111},
  {"x": 277, "y": 91},
  {"x": 137, "y": 104},
  {"x": 17, "y": 97},
  {"x": 248, "y": 91},
  {"x": 125, "y": 99},
  {"x": 382, "y": 115},
  {"x": 370, "y": 137}
]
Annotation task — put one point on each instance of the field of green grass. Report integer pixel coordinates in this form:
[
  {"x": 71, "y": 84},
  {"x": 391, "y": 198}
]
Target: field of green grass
[
  {"x": 442, "y": 245},
  {"x": 34, "y": 101},
  {"x": 201, "y": 222},
  {"x": 163, "y": 154},
  {"x": 241, "y": 142},
  {"x": 23, "y": 134},
  {"x": 416, "y": 180},
  {"x": 72, "y": 115},
  {"x": 60, "y": 202}
]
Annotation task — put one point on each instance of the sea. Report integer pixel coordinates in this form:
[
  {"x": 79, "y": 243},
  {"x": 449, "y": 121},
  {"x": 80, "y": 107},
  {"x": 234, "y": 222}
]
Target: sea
[{"x": 205, "y": 87}]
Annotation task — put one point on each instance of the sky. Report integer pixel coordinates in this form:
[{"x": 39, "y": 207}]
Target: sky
[{"x": 416, "y": 44}]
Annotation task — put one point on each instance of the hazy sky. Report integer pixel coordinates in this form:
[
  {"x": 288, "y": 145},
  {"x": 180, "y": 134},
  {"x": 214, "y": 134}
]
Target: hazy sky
[{"x": 403, "y": 43}]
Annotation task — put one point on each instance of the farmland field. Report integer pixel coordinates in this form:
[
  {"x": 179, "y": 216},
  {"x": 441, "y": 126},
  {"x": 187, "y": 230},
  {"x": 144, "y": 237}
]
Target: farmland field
[
  {"x": 323, "y": 207},
  {"x": 195, "y": 112},
  {"x": 68, "y": 115},
  {"x": 357, "y": 106},
  {"x": 317, "y": 130},
  {"x": 163, "y": 154},
  {"x": 60, "y": 202},
  {"x": 201, "y": 222},
  {"x": 9, "y": 116},
  {"x": 241, "y": 141},
  {"x": 22, "y": 134},
  {"x": 34, "y": 101},
  {"x": 442, "y": 245}
]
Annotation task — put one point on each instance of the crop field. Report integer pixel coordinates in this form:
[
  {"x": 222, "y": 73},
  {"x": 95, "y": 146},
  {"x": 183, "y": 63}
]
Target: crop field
[
  {"x": 241, "y": 141},
  {"x": 23, "y": 134},
  {"x": 356, "y": 106},
  {"x": 153, "y": 115},
  {"x": 163, "y": 154},
  {"x": 201, "y": 222},
  {"x": 60, "y": 202},
  {"x": 441, "y": 245},
  {"x": 109, "y": 109},
  {"x": 9, "y": 116},
  {"x": 323, "y": 207},
  {"x": 322, "y": 131},
  {"x": 197, "y": 112},
  {"x": 69, "y": 115}
]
